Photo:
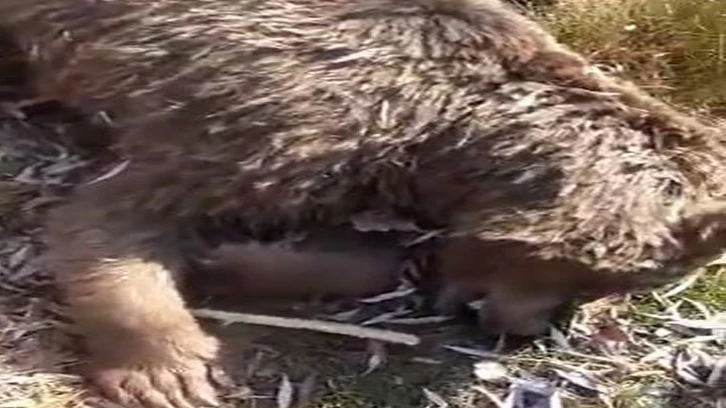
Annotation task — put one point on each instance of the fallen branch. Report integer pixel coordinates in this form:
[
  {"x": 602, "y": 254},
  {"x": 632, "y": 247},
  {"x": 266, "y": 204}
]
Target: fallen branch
[{"x": 306, "y": 324}]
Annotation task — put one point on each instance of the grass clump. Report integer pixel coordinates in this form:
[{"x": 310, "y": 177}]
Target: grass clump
[{"x": 675, "y": 49}]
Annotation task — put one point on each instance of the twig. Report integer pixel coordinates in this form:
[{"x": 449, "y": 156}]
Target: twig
[
  {"x": 490, "y": 395},
  {"x": 306, "y": 324}
]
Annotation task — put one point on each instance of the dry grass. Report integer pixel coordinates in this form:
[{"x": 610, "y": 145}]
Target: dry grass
[
  {"x": 657, "y": 350},
  {"x": 673, "y": 48}
]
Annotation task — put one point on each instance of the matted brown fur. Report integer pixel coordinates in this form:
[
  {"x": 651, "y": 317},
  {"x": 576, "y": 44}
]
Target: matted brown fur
[{"x": 459, "y": 113}]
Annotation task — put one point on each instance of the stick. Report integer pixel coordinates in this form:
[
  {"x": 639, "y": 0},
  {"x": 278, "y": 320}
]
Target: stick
[{"x": 307, "y": 324}]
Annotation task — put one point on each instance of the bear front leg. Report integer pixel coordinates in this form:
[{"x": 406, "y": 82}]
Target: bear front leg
[{"x": 119, "y": 277}]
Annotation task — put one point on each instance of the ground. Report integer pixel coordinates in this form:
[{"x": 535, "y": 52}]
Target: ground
[{"x": 663, "y": 349}]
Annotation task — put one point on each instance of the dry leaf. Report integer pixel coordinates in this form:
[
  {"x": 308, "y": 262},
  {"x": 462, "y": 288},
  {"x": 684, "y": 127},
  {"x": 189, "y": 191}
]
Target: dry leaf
[
  {"x": 532, "y": 393},
  {"x": 472, "y": 351},
  {"x": 284, "y": 393},
  {"x": 435, "y": 398},
  {"x": 581, "y": 379},
  {"x": 398, "y": 293},
  {"x": 378, "y": 356},
  {"x": 559, "y": 338},
  {"x": 490, "y": 371}
]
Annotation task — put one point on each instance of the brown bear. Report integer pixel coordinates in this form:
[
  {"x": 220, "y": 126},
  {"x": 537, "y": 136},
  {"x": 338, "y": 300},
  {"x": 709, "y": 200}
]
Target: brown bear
[{"x": 551, "y": 180}]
